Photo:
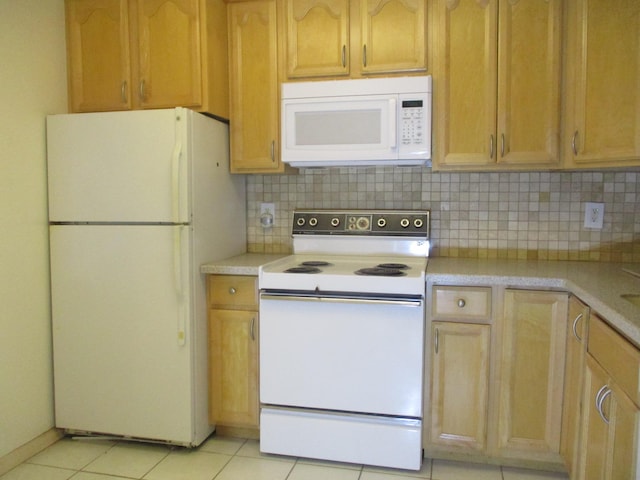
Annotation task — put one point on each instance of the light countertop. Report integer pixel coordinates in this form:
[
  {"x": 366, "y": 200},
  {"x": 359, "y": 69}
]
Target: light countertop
[
  {"x": 597, "y": 284},
  {"x": 245, "y": 264}
]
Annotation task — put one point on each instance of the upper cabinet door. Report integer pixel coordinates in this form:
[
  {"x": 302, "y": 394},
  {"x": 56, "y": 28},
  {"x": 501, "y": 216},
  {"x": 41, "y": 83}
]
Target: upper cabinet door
[
  {"x": 317, "y": 33},
  {"x": 253, "y": 73},
  {"x": 393, "y": 36},
  {"x": 465, "y": 82},
  {"x": 98, "y": 55},
  {"x": 168, "y": 54},
  {"x": 603, "y": 88},
  {"x": 529, "y": 56}
]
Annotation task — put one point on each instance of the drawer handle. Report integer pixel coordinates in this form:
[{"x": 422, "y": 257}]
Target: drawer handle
[
  {"x": 232, "y": 290},
  {"x": 252, "y": 329},
  {"x": 461, "y": 303}
]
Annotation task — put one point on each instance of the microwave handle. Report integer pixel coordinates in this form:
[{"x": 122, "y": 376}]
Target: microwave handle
[{"x": 393, "y": 125}]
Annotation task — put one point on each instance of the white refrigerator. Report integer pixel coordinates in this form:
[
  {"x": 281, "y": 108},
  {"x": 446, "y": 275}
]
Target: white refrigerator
[{"x": 138, "y": 201}]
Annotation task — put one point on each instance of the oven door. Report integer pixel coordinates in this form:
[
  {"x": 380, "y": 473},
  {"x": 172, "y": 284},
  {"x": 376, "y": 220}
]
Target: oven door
[{"x": 342, "y": 353}]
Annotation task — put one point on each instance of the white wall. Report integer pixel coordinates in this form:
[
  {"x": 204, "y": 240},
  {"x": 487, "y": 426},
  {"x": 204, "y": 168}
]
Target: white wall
[{"x": 32, "y": 84}]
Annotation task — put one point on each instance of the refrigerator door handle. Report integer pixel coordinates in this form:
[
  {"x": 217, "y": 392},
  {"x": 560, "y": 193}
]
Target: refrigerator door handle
[
  {"x": 176, "y": 157},
  {"x": 178, "y": 282}
]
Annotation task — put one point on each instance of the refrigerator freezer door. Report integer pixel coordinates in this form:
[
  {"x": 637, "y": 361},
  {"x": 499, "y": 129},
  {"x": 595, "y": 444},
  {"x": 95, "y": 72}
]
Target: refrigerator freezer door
[
  {"x": 118, "y": 166},
  {"x": 120, "y": 305}
]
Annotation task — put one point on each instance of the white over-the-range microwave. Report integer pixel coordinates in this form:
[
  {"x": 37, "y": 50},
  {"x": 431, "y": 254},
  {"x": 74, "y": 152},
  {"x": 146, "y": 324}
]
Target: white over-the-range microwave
[{"x": 362, "y": 122}]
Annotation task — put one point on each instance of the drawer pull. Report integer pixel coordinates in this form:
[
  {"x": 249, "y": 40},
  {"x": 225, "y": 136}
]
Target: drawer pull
[
  {"x": 603, "y": 393},
  {"x": 461, "y": 303},
  {"x": 252, "y": 329},
  {"x": 232, "y": 290}
]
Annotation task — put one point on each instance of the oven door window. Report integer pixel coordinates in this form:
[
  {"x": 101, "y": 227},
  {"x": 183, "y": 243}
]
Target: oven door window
[{"x": 353, "y": 356}]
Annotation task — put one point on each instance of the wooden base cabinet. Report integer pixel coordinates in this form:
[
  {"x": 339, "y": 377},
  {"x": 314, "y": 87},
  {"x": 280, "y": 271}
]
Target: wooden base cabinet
[
  {"x": 533, "y": 345},
  {"x": 497, "y": 360},
  {"x": 611, "y": 415},
  {"x": 137, "y": 54},
  {"x": 233, "y": 352}
]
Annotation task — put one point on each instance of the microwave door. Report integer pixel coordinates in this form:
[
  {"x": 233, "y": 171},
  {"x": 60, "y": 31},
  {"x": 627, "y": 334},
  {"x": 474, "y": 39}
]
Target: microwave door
[{"x": 360, "y": 130}]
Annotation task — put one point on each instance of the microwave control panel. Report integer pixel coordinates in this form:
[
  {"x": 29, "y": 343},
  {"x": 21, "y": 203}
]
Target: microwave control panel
[{"x": 413, "y": 125}]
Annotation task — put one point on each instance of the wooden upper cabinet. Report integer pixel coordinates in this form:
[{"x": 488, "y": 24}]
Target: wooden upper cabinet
[
  {"x": 393, "y": 36},
  {"x": 497, "y": 68},
  {"x": 334, "y": 38},
  {"x": 168, "y": 53},
  {"x": 98, "y": 55},
  {"x": 317, "y": 34},
  {"x": 603, "y": 87},
  {"x": 255, "y": 104},
  {"x": 135, "y": 54}
]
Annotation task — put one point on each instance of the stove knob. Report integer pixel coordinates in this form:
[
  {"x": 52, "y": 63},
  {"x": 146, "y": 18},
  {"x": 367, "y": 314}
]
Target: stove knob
[
  {"x": 335, "y": 221},
  {"x": 300, "y": 221},
  {"x": 313, "y": 222},
  {"x": 382, "y": 222},
  {"x": 418, "y": 223},
  {"x": 404, "y": 223}
]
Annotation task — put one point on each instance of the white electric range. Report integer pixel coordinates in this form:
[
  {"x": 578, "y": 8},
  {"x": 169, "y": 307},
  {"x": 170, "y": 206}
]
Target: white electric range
[{"x": 342, "y": 338}]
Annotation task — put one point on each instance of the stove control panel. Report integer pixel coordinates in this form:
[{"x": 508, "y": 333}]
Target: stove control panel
[{"x": 391, "y": 223}]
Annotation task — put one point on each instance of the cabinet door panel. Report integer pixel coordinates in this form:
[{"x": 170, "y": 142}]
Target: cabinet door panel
[
  {"x": 624, "y": 440},
  {"x": 574, "y": 372},
  {"x": 234, "y": 367},
  {"x": 254, "y": 110},
  {"x": 317, "y": 38},
  {"x": 466, "y": 78},
  {"x": 533, "y": 352},
  {"x": 98, "y": 55},
  {"x": 169, "y": 58},
  {"x": 393, "y": 35},
  {"x": 529, "y": 81},
  {"x": 605, "y": 129},
  {"x": 459, "y": 384}
]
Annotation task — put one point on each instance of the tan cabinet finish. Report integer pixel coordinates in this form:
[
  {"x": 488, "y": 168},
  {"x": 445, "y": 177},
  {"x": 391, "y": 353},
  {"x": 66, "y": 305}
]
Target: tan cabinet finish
[
  {"x": 498, "y": 77},
  {"x": 532, "y": 374},
  {"x": 253, "y": 74},
  {"x": 333, "y": 38},
  {"x": 609, "y": 436},
  {"x": 233, "y": 352},
  {"x": 459, "y": 385},
  {"x": 140, "y": 54},
  {"x": 603, "y": 84},
  {"x": 577, "y": 327},
  {"x": 98, "y": 55}
]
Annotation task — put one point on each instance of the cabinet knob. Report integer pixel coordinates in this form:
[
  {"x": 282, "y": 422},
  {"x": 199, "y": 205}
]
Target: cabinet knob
[
  {"x": 461, "y": 302},
  {"x": 232, "y": 290}
]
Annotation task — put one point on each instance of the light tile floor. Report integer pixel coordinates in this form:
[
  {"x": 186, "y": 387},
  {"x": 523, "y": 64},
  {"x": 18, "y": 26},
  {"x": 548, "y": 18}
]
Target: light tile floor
[{"x": 223, "y": 458}]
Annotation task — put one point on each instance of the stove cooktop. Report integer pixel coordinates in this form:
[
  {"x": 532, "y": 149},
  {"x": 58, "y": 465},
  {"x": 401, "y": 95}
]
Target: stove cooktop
[{"x": 345, "y": 273}]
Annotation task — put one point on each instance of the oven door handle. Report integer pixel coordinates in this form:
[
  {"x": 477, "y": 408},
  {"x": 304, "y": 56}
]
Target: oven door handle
[{"x": 398, "y": 301}]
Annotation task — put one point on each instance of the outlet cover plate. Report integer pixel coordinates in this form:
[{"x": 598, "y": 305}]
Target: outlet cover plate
[{"x": 593, "y": 215}]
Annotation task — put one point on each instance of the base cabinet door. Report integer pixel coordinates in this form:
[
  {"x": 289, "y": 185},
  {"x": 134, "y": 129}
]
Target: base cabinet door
[
  {"x": 233, "y": 353},
  {"x": 532, "y": 374},
  {"x": 611, "y": 416},
  {"x": 459, "y": 385},
  {"x": 574, "y": 371}
]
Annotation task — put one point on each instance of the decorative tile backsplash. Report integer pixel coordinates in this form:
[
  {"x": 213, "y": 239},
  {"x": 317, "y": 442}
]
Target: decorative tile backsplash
[{"x": 524, "y": 215}]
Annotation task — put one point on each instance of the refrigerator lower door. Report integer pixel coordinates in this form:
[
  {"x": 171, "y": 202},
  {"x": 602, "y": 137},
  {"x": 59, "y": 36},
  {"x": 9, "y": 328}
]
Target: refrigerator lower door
[{"x": 124, "y": 356}]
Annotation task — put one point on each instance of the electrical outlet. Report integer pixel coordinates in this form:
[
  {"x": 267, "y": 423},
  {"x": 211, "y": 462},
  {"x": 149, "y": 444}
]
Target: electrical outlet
[
  {"x": 267, "y": 215},
  {"x": 593, "y": 215}
]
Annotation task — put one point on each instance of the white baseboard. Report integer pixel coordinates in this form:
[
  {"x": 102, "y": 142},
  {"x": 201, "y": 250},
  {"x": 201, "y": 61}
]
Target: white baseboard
[{"x": 29, "y": 449}]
